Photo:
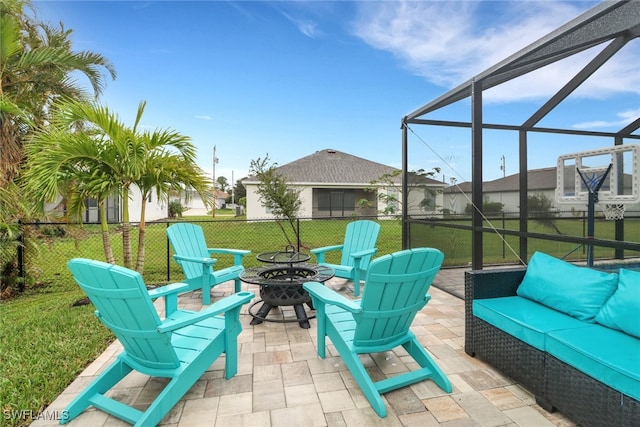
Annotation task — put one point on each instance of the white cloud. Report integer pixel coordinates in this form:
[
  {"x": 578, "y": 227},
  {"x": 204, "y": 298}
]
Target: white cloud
[
  {"x": 305, "y": 26},
  {"x": 448, "y": 42},
  {"x": 203, "y": 117},
  {"x": 624, "y": 118}
]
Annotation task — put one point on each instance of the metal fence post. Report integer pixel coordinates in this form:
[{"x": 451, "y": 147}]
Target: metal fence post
[
  {"x": 20, "y": 249},
  {"x": 503, "y": 238},
  {"x": 168, "y": 256}
]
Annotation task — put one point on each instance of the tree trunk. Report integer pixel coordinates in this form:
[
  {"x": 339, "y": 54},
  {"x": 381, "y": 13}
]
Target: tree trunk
[
  {"x": 141, "y": 231},
  {"x": 10, "y": 152},
  {"x": 106, "y": 241}
]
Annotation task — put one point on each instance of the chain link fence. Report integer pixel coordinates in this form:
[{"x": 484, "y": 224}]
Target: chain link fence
[
  {"x": 49, "y": 246},
  {"x": 45, "y": 248}
]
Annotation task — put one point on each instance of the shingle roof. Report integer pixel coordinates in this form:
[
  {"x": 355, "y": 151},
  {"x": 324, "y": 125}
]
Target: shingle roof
[
  {"x": 539, "y": 179},
  {"x": 332, "y": 166}
]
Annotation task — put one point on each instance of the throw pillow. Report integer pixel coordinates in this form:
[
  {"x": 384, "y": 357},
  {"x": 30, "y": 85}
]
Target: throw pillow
[
  {"x": 622, "y": 310},
  {"x": 577, "y": 291}
]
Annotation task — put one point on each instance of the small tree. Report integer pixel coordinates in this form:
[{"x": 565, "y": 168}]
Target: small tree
[
  {"x": 223, "y": 183},
  {"x": 390, "y": 182},
  {"x": 175, "y": 209},
  {"x": 276, "y": 195},
  {"x": 541, "y": 209},
  {"x": 240, "y": 192}
]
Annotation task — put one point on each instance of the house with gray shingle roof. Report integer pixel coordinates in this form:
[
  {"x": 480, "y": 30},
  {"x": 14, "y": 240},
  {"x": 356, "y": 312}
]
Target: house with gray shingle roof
[
  {"x": 506, "y": 191},
  {"x": 337, "y": 184},
  {"x": 503, "y": 190}
]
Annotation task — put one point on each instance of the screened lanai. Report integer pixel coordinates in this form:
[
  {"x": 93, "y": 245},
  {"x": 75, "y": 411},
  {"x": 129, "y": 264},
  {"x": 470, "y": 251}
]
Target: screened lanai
[{"x": 602, "y": 33}]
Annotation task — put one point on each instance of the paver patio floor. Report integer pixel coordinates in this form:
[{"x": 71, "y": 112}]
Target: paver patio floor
[{"x": 282, "y": 382}]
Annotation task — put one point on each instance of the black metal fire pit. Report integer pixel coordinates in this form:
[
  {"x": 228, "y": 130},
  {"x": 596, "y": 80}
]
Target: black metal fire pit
[
  {"x": 284, "y": 285},
  {"x": 281, "y": 285}
]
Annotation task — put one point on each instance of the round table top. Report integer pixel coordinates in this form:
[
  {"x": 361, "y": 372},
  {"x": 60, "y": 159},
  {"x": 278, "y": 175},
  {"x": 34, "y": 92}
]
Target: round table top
[
  {"x": 282, "y": 257},
  {"x": 286, "y": 274}
]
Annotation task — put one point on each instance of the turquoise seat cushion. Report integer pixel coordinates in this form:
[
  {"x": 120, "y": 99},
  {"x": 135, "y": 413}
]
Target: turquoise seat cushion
[
  {"x": 622, "y": 310},
  {"x": 612, "y": 357},
  {"x": 577, "y": 291},
  {"x": 522, "y": 318}
]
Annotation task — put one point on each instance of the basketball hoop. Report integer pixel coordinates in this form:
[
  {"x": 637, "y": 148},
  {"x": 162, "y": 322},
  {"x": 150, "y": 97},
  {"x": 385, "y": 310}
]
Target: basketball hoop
[
  {"x": 612, "y": 212},
  {"x": 608, "y": 177}
]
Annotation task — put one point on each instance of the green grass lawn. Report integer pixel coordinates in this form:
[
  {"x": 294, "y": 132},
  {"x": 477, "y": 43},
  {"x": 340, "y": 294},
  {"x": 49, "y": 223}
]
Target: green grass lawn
[{"x": 46, "y": 341}]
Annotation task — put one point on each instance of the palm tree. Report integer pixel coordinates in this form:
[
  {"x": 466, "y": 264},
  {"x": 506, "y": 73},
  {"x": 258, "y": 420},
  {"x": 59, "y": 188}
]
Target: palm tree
[
  {"x": 74, "y": 164},
  {"x": 123, "y": 156},
  {"x": 36, "y": 60},
  {"x": 88, "y": 152},
  {"x": 166, "y": 172}
]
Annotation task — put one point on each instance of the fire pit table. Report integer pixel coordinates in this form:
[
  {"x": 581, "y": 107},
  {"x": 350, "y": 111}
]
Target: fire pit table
[{"x": 281, "y": 282}]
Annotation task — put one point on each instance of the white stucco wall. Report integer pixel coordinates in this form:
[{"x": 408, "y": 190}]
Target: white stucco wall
[
  {"x": 511, "y": 202},
  {"x": 255, "y": 210},
  {"x": 155, "y": 209}
]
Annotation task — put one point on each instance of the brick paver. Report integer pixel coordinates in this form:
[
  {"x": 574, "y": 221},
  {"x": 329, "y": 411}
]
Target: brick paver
[{"x": 282, "y": 382}]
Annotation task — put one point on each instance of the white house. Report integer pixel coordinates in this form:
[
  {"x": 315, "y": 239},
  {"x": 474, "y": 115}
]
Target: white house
[
  {"x": 337, "y": 184},
  {"x": 155, "y": 209},
  {"x": 506, "y": 191}
]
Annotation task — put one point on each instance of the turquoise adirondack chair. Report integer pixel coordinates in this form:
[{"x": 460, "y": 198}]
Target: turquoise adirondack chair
[
  {"x": 194, "y": 257},
  {"x": 396, "y": 289},
  {"x": 357, "y": 250},
  {"x": 180, "y": 347}
]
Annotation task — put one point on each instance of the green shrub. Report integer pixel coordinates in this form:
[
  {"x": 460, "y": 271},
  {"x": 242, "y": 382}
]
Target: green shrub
[{"x": 175, "y": 209}]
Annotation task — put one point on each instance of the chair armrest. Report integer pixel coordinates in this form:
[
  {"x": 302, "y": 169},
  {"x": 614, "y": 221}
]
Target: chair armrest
[
  {"x": 319, "y": 252},
  {"x": 173, "y": 288},
  {"x": 207, "y": 261},
  {"x": 170, "y": 294},
  {"x": 224, "y": 305},
  {"x": 320, "y": 292},
  {"x": 364, "y": 253},
  {"x": 238, "y": 254},
  {"x": 326, "y": 249}
]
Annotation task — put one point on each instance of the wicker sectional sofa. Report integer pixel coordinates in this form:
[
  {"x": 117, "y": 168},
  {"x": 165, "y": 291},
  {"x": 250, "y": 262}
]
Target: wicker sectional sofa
[{"x": 569, "y": 334}]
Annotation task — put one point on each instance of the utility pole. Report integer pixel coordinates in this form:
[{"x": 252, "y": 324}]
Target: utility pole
[
  {"x": 233, "y": 187},
  {"x": 503, "y": 166},
  {"x": 215, "y": 186}
]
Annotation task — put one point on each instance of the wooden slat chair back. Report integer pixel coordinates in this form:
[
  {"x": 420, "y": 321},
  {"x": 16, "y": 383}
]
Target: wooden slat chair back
[
  {"x": 124, "y": 306},
  {"x": 194, "y": 257},
  {"x": 396, "y": 290},
  {"x": 357, "y": 250},
  {"x": 180, "y": 347}
]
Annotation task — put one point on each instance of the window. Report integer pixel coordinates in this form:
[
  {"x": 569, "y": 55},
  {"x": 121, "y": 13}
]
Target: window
[{"x": 336, "y": 202}]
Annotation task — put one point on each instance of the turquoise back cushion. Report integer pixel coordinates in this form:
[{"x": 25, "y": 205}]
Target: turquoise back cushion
[
  {"x": 577, "y": 291},
  {"x": 622, "y": 310}
]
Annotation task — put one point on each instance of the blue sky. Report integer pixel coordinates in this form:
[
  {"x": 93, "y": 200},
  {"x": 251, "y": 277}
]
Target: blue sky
[{"x": 290, "y": 78}]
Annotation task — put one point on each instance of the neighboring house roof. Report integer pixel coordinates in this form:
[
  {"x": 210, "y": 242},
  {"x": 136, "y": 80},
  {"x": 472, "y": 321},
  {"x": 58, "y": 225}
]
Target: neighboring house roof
[
  {"x": 221, "y": 194},
  {"x": 330, "y": 166},
  {"x": 539, "y": 179}
]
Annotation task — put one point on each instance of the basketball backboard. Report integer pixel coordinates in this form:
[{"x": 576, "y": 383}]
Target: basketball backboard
[{"x": 580, "y": 173}]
